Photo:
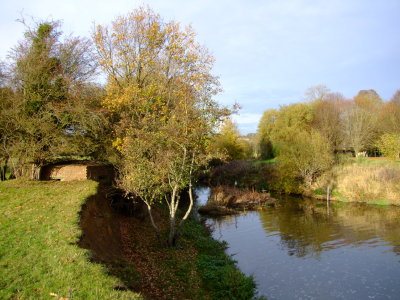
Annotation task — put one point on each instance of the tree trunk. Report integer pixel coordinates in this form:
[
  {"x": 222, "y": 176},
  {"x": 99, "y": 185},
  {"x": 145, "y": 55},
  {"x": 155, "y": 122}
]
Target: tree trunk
[
  {"x": 4, "y": 170},
  {"x": 173, "y": 207},
  {"x": 35, "y": 172},
  {"x": 154, "y": 225},
  {"x": 172, "y": 238},
  {"x": 3, "y": 173}
]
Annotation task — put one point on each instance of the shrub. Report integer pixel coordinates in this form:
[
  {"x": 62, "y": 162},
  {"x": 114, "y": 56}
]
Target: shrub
[
  {"x": 389, "y": 145},
  {"x": 238, "y": 173}
]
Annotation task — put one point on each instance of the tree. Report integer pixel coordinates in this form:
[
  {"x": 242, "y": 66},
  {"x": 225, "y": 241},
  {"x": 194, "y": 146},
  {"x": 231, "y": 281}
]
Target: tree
[
  {"x": 359, "y": 127},
  {"x": 264, "y": 133},
  {"x": 369, "y": 100},
  {"x": 298, "y": 116},
  {"x": 305, "y": 155},
  {"x": 327, "y": 118},
  {"x": 49, "y": 77},
  {"x": 7, "y": 128},
  {"x": 396, "y": 97},
  {"x": 317, "y": 92},
  {"x": 229, "y": 142},
  {"x": 389, "y": 117},
  {"x": 160, "y": 88},
  {"x": 389, "y": 145}
]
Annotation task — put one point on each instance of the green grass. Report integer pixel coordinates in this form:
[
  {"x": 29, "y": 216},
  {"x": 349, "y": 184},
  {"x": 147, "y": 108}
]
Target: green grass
[
  {"x": 219, "y": 274},
  {"x": 379, "y": 202},
  {"x": 375, "y": 161},
  {"x": 319, "y": 192},
  {"x": 39, "y": 256}
]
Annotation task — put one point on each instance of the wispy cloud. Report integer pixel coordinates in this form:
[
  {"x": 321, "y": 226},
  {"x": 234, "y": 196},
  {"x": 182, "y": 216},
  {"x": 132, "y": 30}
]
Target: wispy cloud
[{"x": 267, "y": 52}]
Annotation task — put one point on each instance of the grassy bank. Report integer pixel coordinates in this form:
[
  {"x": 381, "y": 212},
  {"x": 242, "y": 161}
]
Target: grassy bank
[
  {"x": 197, "y": 269},
  {"x": 365, "y": 180},
  {"x": 370, "y": 180},
  {"x": 39, "y": 256}
]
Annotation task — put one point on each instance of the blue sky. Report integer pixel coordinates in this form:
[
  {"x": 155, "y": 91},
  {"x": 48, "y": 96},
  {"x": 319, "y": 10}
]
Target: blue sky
[{"x": 267, "y": 52}]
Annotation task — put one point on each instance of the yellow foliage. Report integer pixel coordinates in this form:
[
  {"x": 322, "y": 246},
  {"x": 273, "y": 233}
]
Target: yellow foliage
[{"x": 118, "y": 144}]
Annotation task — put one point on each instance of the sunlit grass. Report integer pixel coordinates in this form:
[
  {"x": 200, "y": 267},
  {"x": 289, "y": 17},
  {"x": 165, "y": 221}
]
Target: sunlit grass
[
  {"x": 39, "y": 256},
  {"x": 372, "y": 181}
]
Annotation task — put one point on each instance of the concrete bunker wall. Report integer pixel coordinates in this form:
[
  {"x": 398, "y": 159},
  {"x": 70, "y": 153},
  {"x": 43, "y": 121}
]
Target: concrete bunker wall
[{"x": 78, "y": 171}]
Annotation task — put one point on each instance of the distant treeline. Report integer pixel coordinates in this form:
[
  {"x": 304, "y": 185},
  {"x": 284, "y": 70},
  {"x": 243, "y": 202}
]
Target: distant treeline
[
  {"x": 363, "y": 125},
  {"x": 307, "y": 139}
]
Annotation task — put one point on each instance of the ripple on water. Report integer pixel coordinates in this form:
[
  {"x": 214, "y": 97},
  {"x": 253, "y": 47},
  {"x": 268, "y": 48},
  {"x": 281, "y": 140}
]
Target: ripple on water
[{"x": 299, "y": 251}]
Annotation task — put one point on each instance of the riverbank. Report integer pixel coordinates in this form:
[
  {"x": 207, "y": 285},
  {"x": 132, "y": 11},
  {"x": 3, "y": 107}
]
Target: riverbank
[
  {"x": 41, "y": 257},
  {"x": 372, "y": 181},
  {"x": 368, "y": 180},
  {"x": 225, "y": 200}
]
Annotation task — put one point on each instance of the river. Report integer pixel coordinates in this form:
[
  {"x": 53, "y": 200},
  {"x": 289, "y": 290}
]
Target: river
[{"x": 303, "y": 250}]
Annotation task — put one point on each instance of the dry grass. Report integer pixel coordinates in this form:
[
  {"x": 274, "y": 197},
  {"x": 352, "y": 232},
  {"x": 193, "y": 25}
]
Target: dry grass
[
  {"x": 227, "y": 200},
  {"x": 372, "y": 183}
]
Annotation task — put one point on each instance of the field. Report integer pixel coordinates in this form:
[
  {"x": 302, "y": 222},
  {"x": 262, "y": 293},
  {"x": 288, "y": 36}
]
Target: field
[
  {"x": 39, "y": 256},
  {"x": 370, "y": 180}
]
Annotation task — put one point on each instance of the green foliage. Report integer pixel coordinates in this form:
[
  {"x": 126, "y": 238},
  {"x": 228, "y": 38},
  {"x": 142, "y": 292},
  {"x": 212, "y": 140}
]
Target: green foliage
[
  {"x": 275, "y": 126},
  {"x": 160, "y": 87},
  {"x": 305, "y": 155},
  {"x": 39, "y": 69},
  {"x": 298, "y": 116},
  {"x": 39, "y": 255},
  {"x": 229, "y": 142},
  {"x": 389, "y": 145},
  {"x": 51, "y": 110},
  {"x": 264, "y": 134}
]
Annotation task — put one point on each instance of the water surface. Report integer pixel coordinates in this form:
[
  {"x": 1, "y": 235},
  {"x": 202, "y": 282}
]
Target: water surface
[{"x": 302, "y": 250}]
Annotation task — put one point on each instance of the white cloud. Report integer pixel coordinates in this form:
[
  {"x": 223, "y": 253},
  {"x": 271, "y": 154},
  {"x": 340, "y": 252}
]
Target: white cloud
[{"x": 267, "y": 52}]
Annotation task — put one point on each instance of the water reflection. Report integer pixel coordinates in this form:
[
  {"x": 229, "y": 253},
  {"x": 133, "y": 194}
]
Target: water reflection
[
  {"x": 298, "y": 250},
  {"x": 307, "y": 228}
]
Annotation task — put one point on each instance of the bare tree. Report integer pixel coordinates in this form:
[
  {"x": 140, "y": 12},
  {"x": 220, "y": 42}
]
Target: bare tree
[{"x": 317, "y": 92}]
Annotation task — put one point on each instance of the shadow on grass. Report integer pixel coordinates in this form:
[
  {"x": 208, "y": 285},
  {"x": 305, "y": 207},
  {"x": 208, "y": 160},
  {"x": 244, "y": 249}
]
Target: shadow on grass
[{"x": 103, "y": 219}]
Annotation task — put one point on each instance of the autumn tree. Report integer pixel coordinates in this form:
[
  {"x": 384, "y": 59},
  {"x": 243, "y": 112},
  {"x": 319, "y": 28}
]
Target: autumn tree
[
  {"x": 229, "y": 142},
  {"x": 298, "y": 116},
  {"x": 160, "y": 87},
  {"x": 360, "y": 120},
  {"x": 369, "y": 100},
  {"x": 389, "y": 145},
  {"x": 305, "y": 155},
  {"x": 389, "y": 116},
  {"x": 327, "y": 118},
  {"x": 396, "y": 97},
  {"x": 317, "y": 92}
]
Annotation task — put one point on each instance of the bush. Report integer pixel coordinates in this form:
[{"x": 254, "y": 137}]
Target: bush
[
  {"x": 240, "y": 173},
  {"x": 389, "y": 145}
]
